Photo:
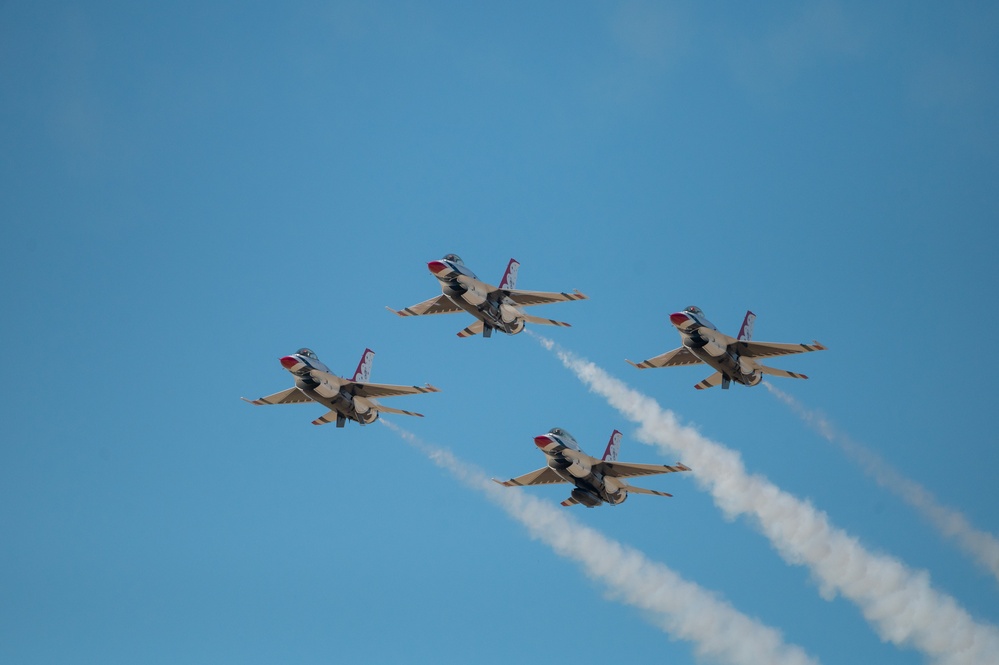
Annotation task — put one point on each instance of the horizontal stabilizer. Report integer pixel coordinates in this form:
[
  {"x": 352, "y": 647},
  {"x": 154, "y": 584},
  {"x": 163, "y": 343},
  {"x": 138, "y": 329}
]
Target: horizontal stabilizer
[
  {"x": 384, "y": 409},
  {"x": 546, "y": 322},
  {"x": 674, "y": 358},
  {"x": 570, "y": 502},
  {"x": 710, "y": 382},
  {"x": 781, "y": 372},
  {"x": 290, "y": 396},
  {"x": 328, "y": 417},
  {"x": 642, "y": 490},
  {"x": 473, "y": 329}
]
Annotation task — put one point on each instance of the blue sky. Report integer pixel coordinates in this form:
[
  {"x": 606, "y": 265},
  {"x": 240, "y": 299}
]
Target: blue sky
[{"x": 191, "y": 192}]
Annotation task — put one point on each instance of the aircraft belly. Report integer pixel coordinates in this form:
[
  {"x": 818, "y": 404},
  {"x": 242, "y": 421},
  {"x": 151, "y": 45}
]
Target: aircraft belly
[
  {"x": 488, "y": 314},
  {"x": 727, "y": 364},
  {"x": 332, "y": 403}
]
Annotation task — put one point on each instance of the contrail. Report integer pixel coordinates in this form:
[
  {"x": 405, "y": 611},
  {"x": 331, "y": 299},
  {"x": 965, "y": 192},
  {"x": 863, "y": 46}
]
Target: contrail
[
  {"x": 898, "y": 602},
  {"x": 982, "y": 546},
  {"x": 683, "y": 609}
]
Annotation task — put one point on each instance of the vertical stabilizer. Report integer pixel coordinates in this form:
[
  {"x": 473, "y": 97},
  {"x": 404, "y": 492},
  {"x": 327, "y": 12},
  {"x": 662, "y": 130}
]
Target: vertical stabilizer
[
  {"x": 510, "y": 276},
  {"x": 610, "y": 455},
  {"x": 363, "y": 372},
  {"x": 746, "y": 331}
]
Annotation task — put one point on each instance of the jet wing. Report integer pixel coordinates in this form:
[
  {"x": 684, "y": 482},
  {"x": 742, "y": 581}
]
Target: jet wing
[
  {"x": 769, "y": 349},
  {"x": 674, "y": 358},
  {"x": 439, "y": 305},
  {"x": 386, "y": 390},
  {"x": 528, "y": 298},
  {"x": 624, "y": 470},
  {"x": 543, "y": 476},
  {"x": 290, "y": 396}
]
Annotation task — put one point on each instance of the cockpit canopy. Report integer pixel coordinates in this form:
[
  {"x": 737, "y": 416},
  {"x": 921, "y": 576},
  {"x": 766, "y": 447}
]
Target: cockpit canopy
[
  {"x": 696, "y": 311},
  {"x": 565, "y": 437},
  {"x": 455, "y": 259},
  {"x": 308, "y": 353}
]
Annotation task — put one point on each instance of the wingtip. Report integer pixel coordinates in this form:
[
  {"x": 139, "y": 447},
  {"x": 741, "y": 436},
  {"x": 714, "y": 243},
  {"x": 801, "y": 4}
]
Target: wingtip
[
  {"x": 633, "y": 364},
  {"x": 394, "y": 311},
  {"x": 582, "y": 296},
  {"x": 431, "y": 388},
  {"x": 818, "y": 345}
]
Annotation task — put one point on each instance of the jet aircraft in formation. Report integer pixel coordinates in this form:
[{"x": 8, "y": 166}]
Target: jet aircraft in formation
[
  {"x": 346, "y": 399},
  {"x": 734, "y": 359},
  {"x": 499, "y": 308},
  {"x": 596, "y": 481}
]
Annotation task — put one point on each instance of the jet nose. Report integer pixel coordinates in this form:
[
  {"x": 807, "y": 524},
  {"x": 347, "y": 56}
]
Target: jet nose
[
  {"x": 290, "y": 362},
  {"x": 679, "y": 318},
  {"x": 437, "y": 267},
  {"x": 543, "y": 441}
]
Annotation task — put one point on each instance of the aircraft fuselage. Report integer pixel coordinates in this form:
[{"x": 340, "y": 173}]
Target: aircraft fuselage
[
  {"x": 465, "y": 290},
  {"x": 591, "y": 489},
  {"x": 314, "y": 379},
  {"x": 711, "y": 347}
]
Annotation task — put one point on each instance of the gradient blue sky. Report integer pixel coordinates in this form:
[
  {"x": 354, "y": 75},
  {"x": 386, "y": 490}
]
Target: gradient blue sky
[{"x": 189, "y": 192}]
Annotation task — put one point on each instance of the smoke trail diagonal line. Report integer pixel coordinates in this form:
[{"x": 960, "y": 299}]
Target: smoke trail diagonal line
[
  {"x": 899, "y": 603},
  {"x": 681, "y": 608},
  {"x": 983, "y": 547}
]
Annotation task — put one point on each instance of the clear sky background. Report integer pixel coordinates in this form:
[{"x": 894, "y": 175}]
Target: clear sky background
[{"x": 189, "y": 192}]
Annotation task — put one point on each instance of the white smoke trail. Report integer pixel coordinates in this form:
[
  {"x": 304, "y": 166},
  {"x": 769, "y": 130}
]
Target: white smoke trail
[
  {"x": 683, "y": 609},
  {"x": 982, "y": 546},
  {"x": 899, "y": 603}
]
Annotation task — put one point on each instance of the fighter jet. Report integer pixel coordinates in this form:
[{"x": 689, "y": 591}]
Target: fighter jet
[
  {"x": 497, "y": 308},
  {"x": 734, "y": 359},
  {"x": 345, "y": 399},
  {"x": 597, "y": 481}
]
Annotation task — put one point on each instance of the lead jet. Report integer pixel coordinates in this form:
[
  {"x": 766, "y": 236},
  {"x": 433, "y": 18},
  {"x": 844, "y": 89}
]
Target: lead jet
[
  {"x": 597, "y": 481},
  {"x": 496, "y": 308},
  {"x": 346, "y": 399},
  {"x": 735, "y": 359}
]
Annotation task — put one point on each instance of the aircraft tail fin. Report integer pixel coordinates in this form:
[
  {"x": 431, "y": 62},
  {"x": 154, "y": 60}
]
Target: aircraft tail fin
[
  {"x": 509, "y": 281},
  {"x": 781, "y": 372},
  {"x": 610, "y": 454},
  {"x": 746, "y": 331},
  {"x": 363, "y": 372}
]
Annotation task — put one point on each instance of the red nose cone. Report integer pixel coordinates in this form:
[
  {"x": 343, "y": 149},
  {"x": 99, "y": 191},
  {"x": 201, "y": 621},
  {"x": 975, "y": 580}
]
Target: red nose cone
[
  {"x": 290, "y": 361},
  {"x": 542, "y": 441},
  {"x": 678, "y": 318},
  {"x": 436, "y": 267}
]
